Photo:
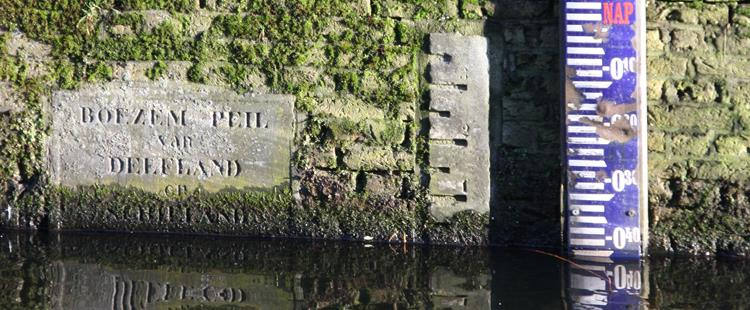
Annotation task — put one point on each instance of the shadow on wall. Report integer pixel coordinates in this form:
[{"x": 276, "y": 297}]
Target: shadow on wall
[{"x": 525, "y": 123}]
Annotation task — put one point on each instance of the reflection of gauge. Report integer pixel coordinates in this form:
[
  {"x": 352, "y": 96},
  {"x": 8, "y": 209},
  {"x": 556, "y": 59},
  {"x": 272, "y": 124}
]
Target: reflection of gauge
[{"x": 605, "y": 284}]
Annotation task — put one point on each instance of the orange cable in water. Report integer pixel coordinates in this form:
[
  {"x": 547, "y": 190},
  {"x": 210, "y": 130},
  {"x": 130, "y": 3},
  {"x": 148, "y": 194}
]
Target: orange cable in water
[{"x": 572, "y": 263}]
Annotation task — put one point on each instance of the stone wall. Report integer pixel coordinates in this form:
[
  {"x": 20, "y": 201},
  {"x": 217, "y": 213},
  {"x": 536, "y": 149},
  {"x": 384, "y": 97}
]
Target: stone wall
[
  {"x": 361, "y": 161},
  {"x": 356, "y": 69},
  {"x": 698, "y": 116}
]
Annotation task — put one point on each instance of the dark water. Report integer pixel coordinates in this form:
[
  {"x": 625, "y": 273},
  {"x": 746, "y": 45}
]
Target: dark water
[{"x": 158, "y": 272}]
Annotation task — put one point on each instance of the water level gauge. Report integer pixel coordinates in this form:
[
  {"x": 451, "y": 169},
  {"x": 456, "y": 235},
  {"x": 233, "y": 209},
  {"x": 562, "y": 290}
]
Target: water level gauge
[{"x": 604, "y": 109}]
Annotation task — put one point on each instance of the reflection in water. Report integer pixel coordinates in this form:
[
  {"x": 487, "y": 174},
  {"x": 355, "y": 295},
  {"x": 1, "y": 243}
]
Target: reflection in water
[
  {"x": 599, "y": 283},
  {"x": 90, "y": 286},
  {"x": 129, "y": 272},
  {"x": 158, "y": 272}
]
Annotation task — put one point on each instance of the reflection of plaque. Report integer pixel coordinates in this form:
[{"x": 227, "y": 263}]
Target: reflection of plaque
[
  {"x": 162, "y": 135},
  {"x": 90, "y": 286},
  {"x": 605, "y": 120}
]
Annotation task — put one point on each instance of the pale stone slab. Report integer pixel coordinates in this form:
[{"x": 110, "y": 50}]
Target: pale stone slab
[
  {"x": 459, "y": 125},
  {"x": 170, "y": 136},
  {"x": 448, "y": 184}
]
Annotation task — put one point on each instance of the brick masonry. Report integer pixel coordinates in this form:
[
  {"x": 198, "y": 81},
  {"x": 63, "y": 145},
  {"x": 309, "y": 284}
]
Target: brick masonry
[{"x": 361, "y": 120}]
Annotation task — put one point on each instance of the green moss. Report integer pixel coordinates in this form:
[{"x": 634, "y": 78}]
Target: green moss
[
  {"x": 197, "y": 73},
  {"x": 64, "y": 75},
  {"x": 389, "y": 132},
  {"x": 164, "y": 42},
  {"x": 4, "y": 38},
  {"x": 743, "y": 10},
  {"x": 696, "y": 4},
  {"x": 183, "y": 6},
  {"x": 415, "y": 9},
  {"x": 355, "y": 218},
  {"x": 157, "y": 70},
  {"x": 132, "y": 21},
  {"x": 23, "y": 134},
  {"x": 348, "y": 81},
  {"x": 129, "y": 209},
  {"x": 472, "y": 9},
  {"x": 406, "y": 34},
  {"x": 12, "y": 69},
  {"x": 100, "y": 72}
]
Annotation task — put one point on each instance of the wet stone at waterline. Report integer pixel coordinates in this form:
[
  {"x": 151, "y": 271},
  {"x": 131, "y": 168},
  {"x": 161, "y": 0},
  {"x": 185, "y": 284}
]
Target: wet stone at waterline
[{"x": 170, "y": 136}]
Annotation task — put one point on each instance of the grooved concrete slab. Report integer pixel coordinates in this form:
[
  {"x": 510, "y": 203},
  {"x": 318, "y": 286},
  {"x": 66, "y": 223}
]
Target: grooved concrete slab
[
  {"x": 170, "y": 137},
  {"x": 459, "y": 125}
]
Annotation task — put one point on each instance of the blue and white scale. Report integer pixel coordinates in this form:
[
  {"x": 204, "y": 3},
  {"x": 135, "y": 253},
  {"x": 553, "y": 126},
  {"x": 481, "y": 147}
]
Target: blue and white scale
[
  {"x": 604, "y": 284},
  {"x": 605, "y": 128}
]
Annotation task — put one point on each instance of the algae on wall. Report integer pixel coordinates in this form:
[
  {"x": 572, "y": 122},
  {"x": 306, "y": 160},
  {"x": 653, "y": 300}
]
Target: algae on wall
[
  {"x": 698, "y": 143},
  {"x": 354, "y": 68}
]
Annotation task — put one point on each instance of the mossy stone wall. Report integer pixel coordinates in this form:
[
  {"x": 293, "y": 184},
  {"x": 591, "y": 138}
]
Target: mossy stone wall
[
  {"x": 699, "y": 100},
  {"x": 356, "y": 69}
]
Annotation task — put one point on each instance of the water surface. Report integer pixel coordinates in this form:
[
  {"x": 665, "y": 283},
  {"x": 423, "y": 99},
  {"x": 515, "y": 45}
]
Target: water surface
[{"x": 88, "y": 271}]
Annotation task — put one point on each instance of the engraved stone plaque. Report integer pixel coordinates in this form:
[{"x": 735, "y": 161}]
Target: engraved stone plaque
[{"x": 170, "y": 136}]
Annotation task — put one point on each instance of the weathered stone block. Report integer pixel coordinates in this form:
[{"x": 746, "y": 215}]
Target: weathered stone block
[
  {"x": 707, "y": 14},
  {"x": 743, "y": 116},
  {"x": 655, "y": 88},
  {"x": 447, "y": 184},
  {"x": 524, "y": 10},
  {"x": 459, "y": 126},
  {"x": 738, "y": 92},
  {"x": 10, "y": 100},
  {"x": 349, "y": 107},
  {"x": 696, "y": 90},
  {"x": 443, "y": 155},
  {"x": 684, "y": 40},
  {"x": 324, "y": 157},
  {"x": 530, "y": 36},
  {"x": 654, "y": 43},
  {"x": 695, "y": 145},
  {"x": 384, "y": 185},
  {"x": 405, "y": 9},
  {"x": 728, "y": 170},
  {"x": 658, "y": 165},
  {"x": 35, "y": 55},
  {"x": 656, "y": 141},
  {"x": 731, "y": 145},
  {"x": 667, "y": 66},
  {"x": 721, "y": 65},
  {"x": 143, "y": 70},
  {"x": 456, "y": 62},
  {"x": 164, "y": 135},
  {"x": 447, "y": 127},
  {"x": 407, "y": 111},
  {"x": 526, "y": 110},
  {"x": 377, "y": 158},
  {"x": 736, "y": 42},
  {"x": 689, "y": 118}
]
